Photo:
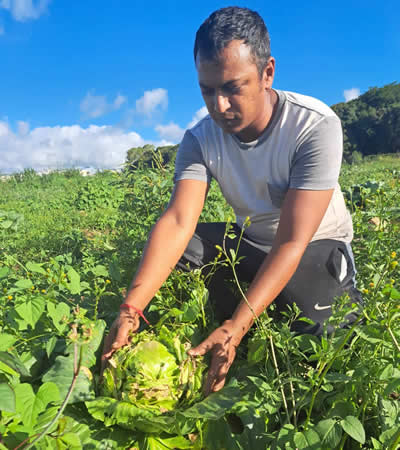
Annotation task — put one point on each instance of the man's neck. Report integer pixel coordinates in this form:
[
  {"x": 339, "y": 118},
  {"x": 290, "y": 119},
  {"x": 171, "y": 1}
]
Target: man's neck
[{"x": 271, "y": 104}]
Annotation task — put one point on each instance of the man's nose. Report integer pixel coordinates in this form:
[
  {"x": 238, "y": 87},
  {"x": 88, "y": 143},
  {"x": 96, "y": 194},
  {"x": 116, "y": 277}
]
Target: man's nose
[{"x": 221, "y": 103}]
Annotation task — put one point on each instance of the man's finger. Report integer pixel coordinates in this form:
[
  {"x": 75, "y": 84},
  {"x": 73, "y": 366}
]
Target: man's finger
[
  {"x": 220, "y": 365},
  {"x": 202, "y": 348}
]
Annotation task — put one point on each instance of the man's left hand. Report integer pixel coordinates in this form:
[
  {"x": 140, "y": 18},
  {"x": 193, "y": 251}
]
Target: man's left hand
[{"x": 222, "y": 343}]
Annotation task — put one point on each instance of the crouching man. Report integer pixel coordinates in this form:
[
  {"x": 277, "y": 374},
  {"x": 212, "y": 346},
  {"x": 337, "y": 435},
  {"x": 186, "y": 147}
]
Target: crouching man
[{"x": 276, "y": 156}]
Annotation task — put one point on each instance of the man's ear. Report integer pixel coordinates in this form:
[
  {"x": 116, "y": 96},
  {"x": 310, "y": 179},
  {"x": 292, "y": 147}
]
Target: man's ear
[{"x": 269, "y": 72}]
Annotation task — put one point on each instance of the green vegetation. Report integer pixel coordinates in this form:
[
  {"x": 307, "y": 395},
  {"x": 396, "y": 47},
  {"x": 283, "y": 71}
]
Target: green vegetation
[
  {"x": 371, "y": 122},
  {"x": 69, "y": 246}
]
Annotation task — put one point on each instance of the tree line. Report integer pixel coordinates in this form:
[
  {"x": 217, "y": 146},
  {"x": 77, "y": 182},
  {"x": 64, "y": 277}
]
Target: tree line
[{"x": 371, "y": 122}]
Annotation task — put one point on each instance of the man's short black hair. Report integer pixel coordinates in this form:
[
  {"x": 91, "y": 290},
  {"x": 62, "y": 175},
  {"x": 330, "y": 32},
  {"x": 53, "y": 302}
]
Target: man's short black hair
[{"x": 234, "y": 23}]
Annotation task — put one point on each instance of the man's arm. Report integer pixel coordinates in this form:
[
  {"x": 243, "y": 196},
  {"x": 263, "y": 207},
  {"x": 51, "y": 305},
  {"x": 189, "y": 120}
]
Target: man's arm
[
  {"x": 302, "y": 213},
  {"x": 166, "y": 244}
]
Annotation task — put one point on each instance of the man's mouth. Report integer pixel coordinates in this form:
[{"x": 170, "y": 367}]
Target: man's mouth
[{"x": 228, "y": 119}]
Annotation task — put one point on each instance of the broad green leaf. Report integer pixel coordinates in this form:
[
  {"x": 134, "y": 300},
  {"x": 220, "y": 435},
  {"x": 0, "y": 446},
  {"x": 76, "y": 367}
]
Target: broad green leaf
[
  {"x": 71, "y": 440},
  {"x": 30, "y": 405},
  {"x": 354, "y": 428},
  {"x": 6, "y": 224},
  {"x": 28, "y": 359},
  {"x": 393, "y": 386},
  {"x": 101, "y": 407},
  {"x": 158, "y": 443},
  {"x": 387, "y": 436},
  {"x": 90, "y": 349},
  {"x": 6, "y": 341},
  {"x": 62, "y": 373},
  {"x": 335, "y": 377},
  {"x": 215, "y": 405},
  {"x": 17, "y": 322},
  {"x": 257, "y": 351},
  {"x": 58, "y": 315},
  {"x": 376, "y": 444},
  {"x": 34, "y": 267},
  {"x": 48, "y": 393},
  {"x": 4, "y": 368},
  {"x": 330, "y": 433},
  {"x": 74, "y": 286},
  {"x": 14, "y": 363},
  {"x": 7, "y": 398},
  {"x": 218, "y": 436},
  {"x": 342, "y": 409},
  {"x": 112, "y": 412},
  {"x": 391, "y": 292},
  {"x": 100, "y": 271},
  {"x": 25, "y": 403},
  {"x": 24, "y": 284},
  {"x": 307, "y": 440},
  {"x": 387, "y": 373},
  {"x": 50, "y": 344},
  {"x": 285, "y": 436},
  {"x": 4, "y": 271},
  {"x": 31, "y": 309}
]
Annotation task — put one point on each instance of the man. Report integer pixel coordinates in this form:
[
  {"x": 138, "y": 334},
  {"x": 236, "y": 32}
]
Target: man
[{"x": 276, "y": 156}]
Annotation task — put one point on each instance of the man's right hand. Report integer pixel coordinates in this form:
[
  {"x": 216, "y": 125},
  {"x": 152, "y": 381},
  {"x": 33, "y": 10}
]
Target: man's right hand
[{"x": 119, "y": 335}]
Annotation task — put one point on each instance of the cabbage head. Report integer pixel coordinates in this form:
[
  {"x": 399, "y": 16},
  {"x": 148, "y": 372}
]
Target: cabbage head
[{"x": 154, "y": 373}]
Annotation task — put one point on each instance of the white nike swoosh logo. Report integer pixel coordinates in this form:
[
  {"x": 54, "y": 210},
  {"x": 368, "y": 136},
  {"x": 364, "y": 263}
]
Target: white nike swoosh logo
[{"x": 321, "y": 308}]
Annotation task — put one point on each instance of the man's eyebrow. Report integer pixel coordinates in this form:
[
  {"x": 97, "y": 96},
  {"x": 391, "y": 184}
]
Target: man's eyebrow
[{"x": 225, "y": 85}]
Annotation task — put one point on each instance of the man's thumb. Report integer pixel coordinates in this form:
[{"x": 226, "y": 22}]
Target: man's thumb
[{"x": 201, "y": 349}]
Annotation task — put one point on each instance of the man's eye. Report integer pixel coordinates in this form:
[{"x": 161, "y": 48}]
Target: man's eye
[
  {"x": 233, "y": 89},
  {"x": 207, "y": 92}
]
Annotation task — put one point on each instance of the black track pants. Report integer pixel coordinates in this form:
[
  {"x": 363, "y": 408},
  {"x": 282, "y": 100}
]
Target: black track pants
[{"x": 326, "y": 271}]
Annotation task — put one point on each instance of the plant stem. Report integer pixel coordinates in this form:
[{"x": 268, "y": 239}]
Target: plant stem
[
  {"x": 393, "y": 338},
  {"x": 395, "y": 441},
  {"x": 24, "y": 341},
  {"x": 327, "y": 367},
  {"x": 77, "y": 367},
  {"x": 279, "y": 377}
]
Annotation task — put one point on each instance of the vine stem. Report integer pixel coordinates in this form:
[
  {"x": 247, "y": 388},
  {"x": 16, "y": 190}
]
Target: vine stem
[
  {"x": 393, "y": 338},
  {"x": 258, "y": 323},
  {"x": 77, "y": 367},
  {"x": 395, "y": 442},
  {"x": 327, "y": 367}
]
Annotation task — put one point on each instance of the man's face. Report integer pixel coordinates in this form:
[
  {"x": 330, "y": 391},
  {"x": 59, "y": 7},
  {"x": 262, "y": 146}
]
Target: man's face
[{"x": 234, "y": 92}]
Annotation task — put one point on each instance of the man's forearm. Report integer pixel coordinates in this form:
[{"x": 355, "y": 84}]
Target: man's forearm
[
  {"x": 166, "y": 244},
  {"x": 273, "y": 275}
]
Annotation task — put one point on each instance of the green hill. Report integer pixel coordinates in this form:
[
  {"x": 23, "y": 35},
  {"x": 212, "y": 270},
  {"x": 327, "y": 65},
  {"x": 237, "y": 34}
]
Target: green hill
[{"x": 371, "y": 122}]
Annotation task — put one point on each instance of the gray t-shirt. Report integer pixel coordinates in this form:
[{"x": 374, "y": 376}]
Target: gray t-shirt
[{"x": 301, "y": 148}]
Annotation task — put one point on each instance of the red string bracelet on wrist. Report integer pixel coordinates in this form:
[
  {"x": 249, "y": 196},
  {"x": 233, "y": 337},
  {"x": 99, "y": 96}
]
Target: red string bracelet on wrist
[{"x": 137, "y": 310}]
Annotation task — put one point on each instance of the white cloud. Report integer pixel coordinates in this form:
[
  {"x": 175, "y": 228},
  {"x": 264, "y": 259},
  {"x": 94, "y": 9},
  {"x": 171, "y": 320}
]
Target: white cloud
[
  {"x": 93, "y": 106},
  {"x": 23, "y": 128},
  {"x": 59, "y": 147},
  {"x": 119, "y": 101},
  {"x": 351, "y": 94},
  {"x": 23, "y": 10},
  {"x": 171, "y": 132},
  {"x": 156, "y": 99},
  {"x": 202, "y": 112},
  {"x": 174, "y": 132}
]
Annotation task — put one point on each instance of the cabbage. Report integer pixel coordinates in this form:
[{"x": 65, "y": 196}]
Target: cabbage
[{"x": 154, "y": 373}]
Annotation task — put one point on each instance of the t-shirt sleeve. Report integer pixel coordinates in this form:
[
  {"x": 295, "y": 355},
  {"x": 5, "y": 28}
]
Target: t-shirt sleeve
[
  {"x": 316, "y": 164},
  {"x": 189, "y": 164}
]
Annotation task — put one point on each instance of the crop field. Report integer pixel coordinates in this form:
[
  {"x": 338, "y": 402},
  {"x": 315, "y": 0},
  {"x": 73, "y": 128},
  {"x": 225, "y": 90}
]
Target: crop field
[{"x": 69, "y": 246}]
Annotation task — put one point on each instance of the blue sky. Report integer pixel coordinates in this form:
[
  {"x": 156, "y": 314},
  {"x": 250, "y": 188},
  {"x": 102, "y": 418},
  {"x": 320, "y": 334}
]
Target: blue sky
[{"x": 82, "y": 82}]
